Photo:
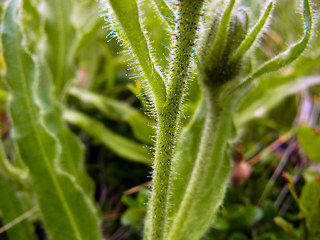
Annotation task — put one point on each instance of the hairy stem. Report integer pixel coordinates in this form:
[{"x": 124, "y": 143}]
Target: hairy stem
[
  {"x": 168, "y": 116},
  {"x": 204, "y": 155}
]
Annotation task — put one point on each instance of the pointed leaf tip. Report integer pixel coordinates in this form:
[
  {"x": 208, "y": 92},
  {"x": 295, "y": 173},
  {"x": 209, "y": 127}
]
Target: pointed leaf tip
[
  {"x": 293, "y": 52},
  {"x": 251, "y": 37}
]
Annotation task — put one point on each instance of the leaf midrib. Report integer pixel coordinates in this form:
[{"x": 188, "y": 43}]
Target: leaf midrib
[{"x": 41, "y": 147}]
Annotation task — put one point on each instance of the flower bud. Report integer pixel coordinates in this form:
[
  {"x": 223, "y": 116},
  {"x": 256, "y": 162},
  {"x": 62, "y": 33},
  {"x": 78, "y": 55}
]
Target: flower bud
[{"x": 215, "y": 56}]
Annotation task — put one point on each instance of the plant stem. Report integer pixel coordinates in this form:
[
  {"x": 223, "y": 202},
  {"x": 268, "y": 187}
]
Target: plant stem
[
  {"x": 204, "y": 155},
  {"x": 211, "y": 172},
  {"x": 168, "y": 116}
]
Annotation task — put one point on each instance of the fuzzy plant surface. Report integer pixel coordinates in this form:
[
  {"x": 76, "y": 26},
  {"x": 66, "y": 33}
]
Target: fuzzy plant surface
[
  {"x": 47, "y": 157},
  {"x": 199, "y": 81},
  {"x": 209, "y": 42}
]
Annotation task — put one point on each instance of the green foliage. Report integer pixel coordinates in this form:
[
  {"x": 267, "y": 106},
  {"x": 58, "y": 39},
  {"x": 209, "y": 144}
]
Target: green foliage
[
  {"x": 269, "y": 92},
  {"x": 136, "y": 211},
  {"x": 141, "y": 125},
  {"x": 309, "y": 140},
  {"x": 12, "y": 207},
  {"x": 126, "y": 13},
  {"x": 206, "y": 174},
  {"x": 58, "y": 192},
  {"x": 309, "y": 200},
  {"x": 134, "y": 151},
  {"x": 202, "y": 75}
]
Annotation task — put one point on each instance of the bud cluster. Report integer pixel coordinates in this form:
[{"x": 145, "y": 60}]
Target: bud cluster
[{"x": 215, "y": 59}]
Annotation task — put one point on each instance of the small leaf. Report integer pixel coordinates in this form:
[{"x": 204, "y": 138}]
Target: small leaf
[
  {"x": 11, "y": 207},
  {"x": 74, "y": 216},
  {"x": 287, "y": 227},
  {"x": 133, "y": 217},
  {"x": 267, "y": 236},
  {"x": 243, "y": 217},
  {"x": 159, "y": 35},
  {"x": 86, "y": 21},
  {"x": 309, "y": 140},
  {"x": 72, "y": 151},
  {"x": 217, "y": 48},
  {"x": 310, "y": 200},
  {"x": 122, "y": 146},
  {"x": 61, "y": 41},
  {"x": 269, "y": 92},
  {"x": 291, "y": 186},
  {"x": 166, "y": 12},
  {"x": 238, "y": 236},
  {"x": 137, "y": 208},
  {"x": 8, "y": 168},
  {"x": 251, "y": 37},
  {"x": 127, "y": 17},
  {"x": 141, "y": 125},
  {"x": 293, "y": 52},
  {"x": 186, "y": 153}
]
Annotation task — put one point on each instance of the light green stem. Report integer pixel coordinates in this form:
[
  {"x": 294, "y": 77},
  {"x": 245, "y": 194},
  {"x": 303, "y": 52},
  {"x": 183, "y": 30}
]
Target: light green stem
[
  {"x": 204, "y": 155},
  {"x": 168, "y": 117},
  {"x": 211, "y": 172}
]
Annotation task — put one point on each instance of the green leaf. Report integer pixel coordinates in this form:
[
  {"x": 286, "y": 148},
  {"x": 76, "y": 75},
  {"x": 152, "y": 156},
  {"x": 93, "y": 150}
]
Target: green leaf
[
  {"x": 213, "y": 179},
  {"x": 66, "y": 210},
  {"x": 310, "y": 200},
  {"x": 269, "y": 92},
  {"x": 310, "y": 173},
  {"x": 71, "y": 147},
  {"x": 126, "y": 15},
  {"x": 216, "y": 49},
  {"x": 9, "y": 168},
  {"x": 142, "y": 126},
  {"x": 111, "y": 108},
  {"x": 266, "y": 236},
  {"x": 309, "y": 140},
  {"x": 61, "y": 41},
  {"x": 86, "y": 21},
  {"x": 293, "y": 52},
  {"x": 166, "y": 12},
  {"x": 238, "y": 236},
  {"x": 133, "y": 217},
  {"x": 11, "y": 208},
  {"x": 186, "y": 153},
  {"x": 243, "y": 217},
  {"x": 122, "y": 146},
  {"x": 72, "y": 150},
  {"x": 251, "y": 37},
  {"x": 287, "y": 227},
  {"x": 159, "y": 35},
  {"x": 31, "y": 23}
]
